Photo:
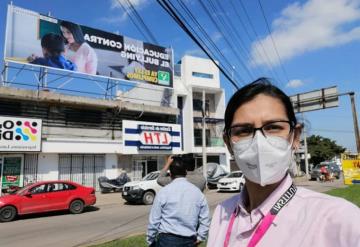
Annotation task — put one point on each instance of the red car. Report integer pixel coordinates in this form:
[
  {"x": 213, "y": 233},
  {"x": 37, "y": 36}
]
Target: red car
[{"x": 46, "y": 196}]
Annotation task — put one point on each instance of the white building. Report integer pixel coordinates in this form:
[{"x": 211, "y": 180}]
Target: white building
[{"x": 84, "y": 138}]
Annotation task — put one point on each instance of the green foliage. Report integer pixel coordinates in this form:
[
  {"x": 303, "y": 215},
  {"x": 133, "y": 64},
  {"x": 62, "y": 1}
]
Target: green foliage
[
  {"x": 350, "y": 193},
  {"x": 322, "y": 148}
]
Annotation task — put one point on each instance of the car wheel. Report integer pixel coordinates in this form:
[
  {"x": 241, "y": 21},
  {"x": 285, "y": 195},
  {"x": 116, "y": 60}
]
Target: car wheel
[
  {"x": 148, "y": 198},
  {"x": 7, "y": 213},
  {"x": 76, "y": 207}
]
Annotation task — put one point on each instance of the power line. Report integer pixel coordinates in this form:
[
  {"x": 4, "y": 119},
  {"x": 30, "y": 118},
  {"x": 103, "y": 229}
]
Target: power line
[
  {"x": 259, "y": 40},
  {"x": 153, "y": 39},
  {"x": 177, "y": 19},
  {"x": 204, "y": 33},
  {"x": 225, "y": 38},
  {"x": 273, "y": 42}
]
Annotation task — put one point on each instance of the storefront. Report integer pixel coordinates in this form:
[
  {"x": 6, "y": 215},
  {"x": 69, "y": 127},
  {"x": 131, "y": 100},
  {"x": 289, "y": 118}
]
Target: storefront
[
  {"x": 20, "y": 141},
  {"x": 147, "y": 144}
]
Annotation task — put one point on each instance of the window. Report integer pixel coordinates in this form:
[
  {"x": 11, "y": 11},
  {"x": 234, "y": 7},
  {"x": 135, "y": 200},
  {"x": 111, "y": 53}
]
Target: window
[
  {"x": 198, "y": 137},
  {"x": 203, "y": 75},
  {"x": 38, "y": 189},
  {"x": 197, "y": 105}
]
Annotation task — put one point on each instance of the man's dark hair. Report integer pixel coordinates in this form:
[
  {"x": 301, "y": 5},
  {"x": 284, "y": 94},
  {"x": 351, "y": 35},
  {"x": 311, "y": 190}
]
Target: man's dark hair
[
  {"x": 53, "y": 43},
  {"x": 249, "y": 92},
  {"x": 177, "y": 168},
  {"x": 75, "y": 30},
  {"x": 189, "y": 161}
]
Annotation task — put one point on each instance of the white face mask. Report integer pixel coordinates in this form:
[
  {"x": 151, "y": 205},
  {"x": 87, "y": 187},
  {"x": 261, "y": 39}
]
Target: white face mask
[{"x": 263, "y": 160}]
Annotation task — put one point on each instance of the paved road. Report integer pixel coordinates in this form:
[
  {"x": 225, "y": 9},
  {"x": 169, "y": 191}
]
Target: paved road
[{"x": 111, "y": 218}]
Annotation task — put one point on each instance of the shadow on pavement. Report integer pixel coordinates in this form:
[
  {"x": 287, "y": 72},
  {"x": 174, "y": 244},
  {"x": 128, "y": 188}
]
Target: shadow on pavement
[{"x": 88, "y": 209}]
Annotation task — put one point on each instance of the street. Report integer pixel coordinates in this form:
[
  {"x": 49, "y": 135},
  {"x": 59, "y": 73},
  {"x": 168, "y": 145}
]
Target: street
[{"x": 111, "y": 218}]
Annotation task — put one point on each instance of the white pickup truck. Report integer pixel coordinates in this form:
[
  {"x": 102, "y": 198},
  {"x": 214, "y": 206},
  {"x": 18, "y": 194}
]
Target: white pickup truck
[{"x": 142, "y": 191}]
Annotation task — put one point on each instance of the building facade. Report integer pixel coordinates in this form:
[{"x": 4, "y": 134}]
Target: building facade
[{"x": 83, "y": 138}]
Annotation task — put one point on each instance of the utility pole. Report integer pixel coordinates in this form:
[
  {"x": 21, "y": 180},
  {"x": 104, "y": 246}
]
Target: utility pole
[
  {"x": 356, "y": 126},
  {"x": 204, "y": 161},
  {"x": 305, "y": 150}
]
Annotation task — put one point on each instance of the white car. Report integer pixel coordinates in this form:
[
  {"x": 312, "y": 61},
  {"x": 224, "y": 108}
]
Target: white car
[
  {"x": 142, "y": 191},
  {"x": 233, "y": 182}
]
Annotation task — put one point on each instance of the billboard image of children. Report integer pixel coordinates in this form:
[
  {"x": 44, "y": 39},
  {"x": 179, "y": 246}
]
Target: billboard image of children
[
  {"x": 77, "y": 50},
  {"x": 53, "y": 48}
]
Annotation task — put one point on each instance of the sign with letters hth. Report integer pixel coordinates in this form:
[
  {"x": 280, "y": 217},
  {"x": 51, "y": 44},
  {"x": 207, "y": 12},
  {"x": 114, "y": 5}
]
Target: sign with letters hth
[{"x": 149, "y": 136}]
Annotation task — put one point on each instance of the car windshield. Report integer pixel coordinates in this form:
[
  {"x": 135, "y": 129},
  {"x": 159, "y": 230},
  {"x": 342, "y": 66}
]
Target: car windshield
[
  {"x": 151, "y": 176},
  {"x": 234, "y": 175},
  {"x": 20, "y": 191}
]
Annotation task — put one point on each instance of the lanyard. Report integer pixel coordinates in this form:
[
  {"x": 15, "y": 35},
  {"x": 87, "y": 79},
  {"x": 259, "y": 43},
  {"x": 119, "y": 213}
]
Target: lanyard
[{"x": 266, "y": 222}]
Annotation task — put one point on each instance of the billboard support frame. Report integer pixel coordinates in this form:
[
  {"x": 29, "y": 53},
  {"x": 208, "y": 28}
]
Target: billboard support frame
[{"x": 108, "y": 88}]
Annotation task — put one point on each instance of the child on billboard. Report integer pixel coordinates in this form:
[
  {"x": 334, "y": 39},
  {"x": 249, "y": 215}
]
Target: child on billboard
[{"x": 53, "y": 48}]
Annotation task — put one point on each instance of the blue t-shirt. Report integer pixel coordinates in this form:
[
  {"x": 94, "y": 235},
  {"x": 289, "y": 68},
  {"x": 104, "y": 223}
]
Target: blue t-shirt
[{"x": 55, "y": 62}]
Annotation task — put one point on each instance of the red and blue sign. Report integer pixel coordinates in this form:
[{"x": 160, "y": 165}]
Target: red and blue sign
[{"x": 152, "y": 136}]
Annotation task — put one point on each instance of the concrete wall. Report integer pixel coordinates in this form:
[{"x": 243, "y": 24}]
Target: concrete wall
[
  {"x": 48, "y": 167},
  {"x": 81, "y": 146},
  {"x": 201, "y": 65},
  {"x": 148, "y": 94}
]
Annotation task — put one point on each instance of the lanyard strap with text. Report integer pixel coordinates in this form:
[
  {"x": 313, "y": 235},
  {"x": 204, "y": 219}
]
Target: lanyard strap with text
[{"x": 267, "y": 220}]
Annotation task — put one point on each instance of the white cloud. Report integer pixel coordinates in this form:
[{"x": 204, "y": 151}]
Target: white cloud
[
  {"x": 116, "y": 4},
  {"x": 307, "y": 27},
  {"x": 115, "y": 19},
  {"x": 295, "y": 83}
]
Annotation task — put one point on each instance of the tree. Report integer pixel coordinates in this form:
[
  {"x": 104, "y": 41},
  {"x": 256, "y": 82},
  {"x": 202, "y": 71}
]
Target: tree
[{"x": 322, "y": 148}]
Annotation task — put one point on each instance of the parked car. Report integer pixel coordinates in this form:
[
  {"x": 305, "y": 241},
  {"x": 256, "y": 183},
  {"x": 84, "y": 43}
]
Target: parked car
[
  {"x": 46, "y": 196},
  {"x": 235, "y": 181},
  {"x": 331, "y": 167},
  {"x": 215, "y": 172},
  {"x": 142, "y": 191}
]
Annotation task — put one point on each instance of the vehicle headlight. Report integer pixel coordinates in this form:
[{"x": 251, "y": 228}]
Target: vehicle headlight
[{"x": 136, "y": 187}]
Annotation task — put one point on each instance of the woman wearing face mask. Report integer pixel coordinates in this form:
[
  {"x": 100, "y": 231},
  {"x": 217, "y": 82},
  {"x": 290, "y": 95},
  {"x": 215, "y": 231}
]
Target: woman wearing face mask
[
  {"x": 78, "y": 51},
  {"x": 262, "y": 133}
]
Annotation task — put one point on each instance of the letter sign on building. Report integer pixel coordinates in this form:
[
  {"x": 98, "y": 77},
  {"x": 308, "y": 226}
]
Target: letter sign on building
[{"x": 148, "y": 136}]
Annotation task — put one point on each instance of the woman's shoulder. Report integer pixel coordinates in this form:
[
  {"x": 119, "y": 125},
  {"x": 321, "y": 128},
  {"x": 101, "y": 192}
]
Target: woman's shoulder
[{"x": 325, "y": 201}]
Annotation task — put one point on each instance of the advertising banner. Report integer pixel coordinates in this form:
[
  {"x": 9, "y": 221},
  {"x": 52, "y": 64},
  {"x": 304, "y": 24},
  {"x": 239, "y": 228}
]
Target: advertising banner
[
  {"x": 351, "y": 168},
  {"x": 51, "y": 42},
  {"x": 139, "y": 137},
  {"x": 11, "y": 174},
  {"x": 20, "y": 134}
]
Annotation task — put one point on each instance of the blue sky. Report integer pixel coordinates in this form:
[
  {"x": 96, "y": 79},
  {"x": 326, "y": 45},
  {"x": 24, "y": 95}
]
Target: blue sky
[{"x": 318, "y": 42}]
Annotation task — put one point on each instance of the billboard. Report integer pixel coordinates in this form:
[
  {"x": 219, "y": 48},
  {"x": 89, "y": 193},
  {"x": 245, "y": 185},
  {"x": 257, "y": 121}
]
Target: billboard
[
  {"x": 20, "y": 134},
  {"x": 351, "y": 167},
  {"x": 39, "y": 39},
  {"x": 147, "y": 137}
]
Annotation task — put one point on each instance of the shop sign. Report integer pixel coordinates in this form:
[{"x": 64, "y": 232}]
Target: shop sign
[
  {"x": 149, "y": 136},
  {"x": 351, "y": 167},
  {"x": 20, "y": 134},
  {"x": 11, "y": 174}
]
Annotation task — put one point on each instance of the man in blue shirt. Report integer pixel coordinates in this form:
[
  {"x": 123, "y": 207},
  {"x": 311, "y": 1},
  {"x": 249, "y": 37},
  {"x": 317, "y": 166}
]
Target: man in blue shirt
[{"x": 180, "y": 213}]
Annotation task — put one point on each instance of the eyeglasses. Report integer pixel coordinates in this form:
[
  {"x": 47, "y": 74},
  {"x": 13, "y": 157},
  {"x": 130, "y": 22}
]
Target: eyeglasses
[{"x": 282, "y": 129}]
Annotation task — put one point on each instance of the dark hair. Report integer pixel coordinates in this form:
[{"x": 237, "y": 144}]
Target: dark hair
[
  {"x": 177, "y": 168},
  {"x": 188, "y": 160},
  {"x": 249, "y": 92},
  {"x": 75, "y": 30},
  {"x": 53, "y": 43}
]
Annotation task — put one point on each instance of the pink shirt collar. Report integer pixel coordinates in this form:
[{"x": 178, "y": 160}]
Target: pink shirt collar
[{"x": 265, "y": 207}]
